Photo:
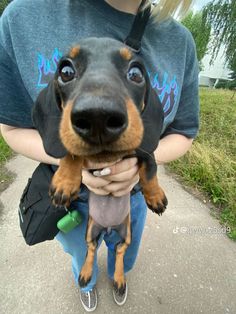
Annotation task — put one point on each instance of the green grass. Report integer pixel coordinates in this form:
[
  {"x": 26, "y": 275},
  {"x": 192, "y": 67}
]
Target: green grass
[
  {"x": 5, "y": 176},
  {"x": 5, "y": 151},
  {"x": 210, "y": 166}
]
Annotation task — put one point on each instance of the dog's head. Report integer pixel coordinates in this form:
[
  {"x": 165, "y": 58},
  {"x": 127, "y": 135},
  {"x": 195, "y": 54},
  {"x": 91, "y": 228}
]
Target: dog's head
[{"x": 99, "y": 103}]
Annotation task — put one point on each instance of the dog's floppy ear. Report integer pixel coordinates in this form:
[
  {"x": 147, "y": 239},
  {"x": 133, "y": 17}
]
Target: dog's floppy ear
[
  {"x": 46, "y": 117},
  {"x": 153, "y": 117}
]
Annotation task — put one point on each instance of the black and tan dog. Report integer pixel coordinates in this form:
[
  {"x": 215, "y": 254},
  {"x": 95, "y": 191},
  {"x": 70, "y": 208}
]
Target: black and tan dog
[{"x": 100, "y": 107}]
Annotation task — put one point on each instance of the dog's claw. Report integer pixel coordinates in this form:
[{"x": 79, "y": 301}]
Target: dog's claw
[
  {"x": 84, "y": 282},
  {"x": 159, "y": 210},
  {"x": 155, "y": 199},
  {"x": 165, "y": 202},
  {"x": 52, "y": 190},
  {"x": 160, "y": 207},
  {"x": 120, "y": 289},
  {"x": 60, "y": 198}
]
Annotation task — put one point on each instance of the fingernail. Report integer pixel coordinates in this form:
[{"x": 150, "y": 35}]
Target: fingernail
[
  {"x": 103, "y": 172},
  {"x": 96, "y": 173}
]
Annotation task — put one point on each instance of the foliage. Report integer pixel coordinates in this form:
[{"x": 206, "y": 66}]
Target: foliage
[
  {"x": 3, "y": 4},
  {"x": 200, "y": 31},
  {"x": 221, "y": 14},
  {"x": 232, "y": 75},
  {"x": 210, "y": 165},
  {"x": 221, "y": 84},
  {"x": 226, "y": 84},
  {"x": 231, "y": 85}
]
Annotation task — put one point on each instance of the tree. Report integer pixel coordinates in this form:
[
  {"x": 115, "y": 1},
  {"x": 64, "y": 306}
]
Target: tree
[
  {"x": 221, "y": 14},
  {"x": 200, "y": 31},
  {"x": 3, "y": 4}
]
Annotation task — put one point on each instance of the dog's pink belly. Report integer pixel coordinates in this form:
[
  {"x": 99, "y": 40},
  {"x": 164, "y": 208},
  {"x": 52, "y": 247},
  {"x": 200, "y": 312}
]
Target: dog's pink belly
[{"x": 108, "y": 211}]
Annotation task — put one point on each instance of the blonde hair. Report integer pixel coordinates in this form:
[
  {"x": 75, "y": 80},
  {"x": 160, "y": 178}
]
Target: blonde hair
[{"x": 166, "y": 8}]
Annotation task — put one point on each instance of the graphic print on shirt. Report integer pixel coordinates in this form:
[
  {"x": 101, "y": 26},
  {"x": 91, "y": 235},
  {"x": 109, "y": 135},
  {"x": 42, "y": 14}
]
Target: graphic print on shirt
[
  {"x": 47, "y": 67},
  {"x": 166, "y": 88}
]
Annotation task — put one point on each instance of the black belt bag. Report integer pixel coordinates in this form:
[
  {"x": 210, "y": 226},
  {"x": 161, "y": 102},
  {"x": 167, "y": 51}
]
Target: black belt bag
[{"x": 38, "y": 217}]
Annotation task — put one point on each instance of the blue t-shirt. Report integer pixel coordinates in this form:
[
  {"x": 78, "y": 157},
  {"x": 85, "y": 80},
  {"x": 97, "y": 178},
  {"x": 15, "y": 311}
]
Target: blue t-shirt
[{"x": 34, "y": 34}]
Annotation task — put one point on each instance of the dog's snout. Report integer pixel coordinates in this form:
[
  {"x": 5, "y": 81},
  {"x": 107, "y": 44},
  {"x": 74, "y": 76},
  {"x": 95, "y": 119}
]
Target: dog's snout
[{"x": 99, "y": 125}]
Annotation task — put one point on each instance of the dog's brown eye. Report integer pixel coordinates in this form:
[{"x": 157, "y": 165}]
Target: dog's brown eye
[
  {"x": 135, "y": 75},
  {"x": 67, "y": 73}
]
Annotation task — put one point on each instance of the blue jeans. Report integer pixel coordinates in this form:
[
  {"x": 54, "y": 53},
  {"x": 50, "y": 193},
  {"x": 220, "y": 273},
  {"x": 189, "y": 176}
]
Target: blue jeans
[{"x": 74, "y": 242}]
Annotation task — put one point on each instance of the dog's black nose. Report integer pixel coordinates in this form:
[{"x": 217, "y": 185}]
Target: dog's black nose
[{"x": 99, "y": 125}]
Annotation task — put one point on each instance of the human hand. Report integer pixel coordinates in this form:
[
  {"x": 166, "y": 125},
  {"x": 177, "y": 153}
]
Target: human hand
[{"x": 117, "y": 178}]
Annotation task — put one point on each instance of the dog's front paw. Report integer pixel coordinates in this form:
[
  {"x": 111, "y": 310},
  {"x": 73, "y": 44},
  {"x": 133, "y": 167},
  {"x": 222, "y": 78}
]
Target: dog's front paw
[
  {"x": 63, "y": 190},
  {"x": 119, "y": 284},
  {"x": 156, "y": 200},
  {"x": 85, "y": 276}
]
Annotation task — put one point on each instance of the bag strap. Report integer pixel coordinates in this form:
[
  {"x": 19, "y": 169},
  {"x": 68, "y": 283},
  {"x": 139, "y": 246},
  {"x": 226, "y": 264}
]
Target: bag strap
[{"x": 134, "y": 38}]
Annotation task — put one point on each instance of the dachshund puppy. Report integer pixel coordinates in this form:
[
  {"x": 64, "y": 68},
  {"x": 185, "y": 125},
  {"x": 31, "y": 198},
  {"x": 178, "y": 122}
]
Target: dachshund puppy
[{"x": 100, "y": 107}]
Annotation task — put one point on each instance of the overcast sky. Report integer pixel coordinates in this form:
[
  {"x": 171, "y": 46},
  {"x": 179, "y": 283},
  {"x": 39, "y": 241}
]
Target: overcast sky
[{"x": 198, "y": 4}]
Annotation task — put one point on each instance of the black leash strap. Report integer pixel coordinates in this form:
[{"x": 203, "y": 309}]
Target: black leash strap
[{"x": 134, "y": 38}]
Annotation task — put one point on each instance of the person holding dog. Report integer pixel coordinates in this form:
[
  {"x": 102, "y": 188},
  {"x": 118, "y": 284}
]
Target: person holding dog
[{"x": 29, "y": 53}]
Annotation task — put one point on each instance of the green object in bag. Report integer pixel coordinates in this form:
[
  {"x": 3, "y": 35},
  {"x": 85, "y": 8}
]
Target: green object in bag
[{"x": 69, "y": 221}]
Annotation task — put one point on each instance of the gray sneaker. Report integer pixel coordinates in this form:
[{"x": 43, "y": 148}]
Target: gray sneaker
[
  {"x": 120, "y": 297},
  {"x": 89, "y": 300}
]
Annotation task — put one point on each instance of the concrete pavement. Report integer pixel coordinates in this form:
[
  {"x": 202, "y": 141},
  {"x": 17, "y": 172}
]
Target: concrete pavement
[{"x": 186, "y": 262}]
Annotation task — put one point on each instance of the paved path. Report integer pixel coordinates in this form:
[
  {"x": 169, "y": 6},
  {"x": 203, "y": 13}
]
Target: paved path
[{"x": 179, "y": 270}]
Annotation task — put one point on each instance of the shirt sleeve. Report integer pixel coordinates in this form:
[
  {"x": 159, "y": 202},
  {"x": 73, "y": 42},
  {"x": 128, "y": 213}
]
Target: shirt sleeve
[
  {"x": 186, "y": 121},
  {"x": 15, "y": 102}
]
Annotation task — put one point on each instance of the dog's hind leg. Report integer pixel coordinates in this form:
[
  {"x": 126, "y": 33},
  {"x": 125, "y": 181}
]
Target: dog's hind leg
[
  {"x": 124, "y": 231},
  {"x": 92, "y": 236}
]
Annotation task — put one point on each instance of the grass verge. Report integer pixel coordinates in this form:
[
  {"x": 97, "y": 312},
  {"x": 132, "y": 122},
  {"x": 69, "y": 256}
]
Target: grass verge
[
  {"x": 5, "y": 176},
  {"x": 210, "y": 166}
]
